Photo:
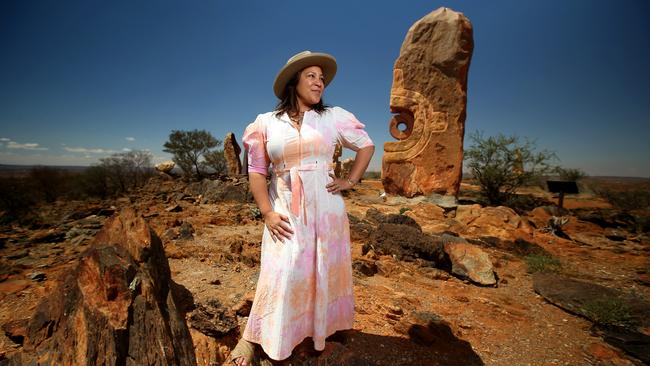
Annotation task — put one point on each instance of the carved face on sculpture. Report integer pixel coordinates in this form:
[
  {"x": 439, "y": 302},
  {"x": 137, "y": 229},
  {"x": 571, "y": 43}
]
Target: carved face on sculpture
[{"x": 416, "y": 118}]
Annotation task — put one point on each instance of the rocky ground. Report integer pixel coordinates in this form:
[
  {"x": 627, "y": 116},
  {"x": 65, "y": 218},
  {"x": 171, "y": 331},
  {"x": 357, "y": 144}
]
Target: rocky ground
[{"x": 417, "y": 303}]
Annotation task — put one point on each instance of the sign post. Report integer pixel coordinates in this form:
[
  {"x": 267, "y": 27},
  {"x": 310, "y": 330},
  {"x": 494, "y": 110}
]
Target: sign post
[{"x": 562, "y": 187}]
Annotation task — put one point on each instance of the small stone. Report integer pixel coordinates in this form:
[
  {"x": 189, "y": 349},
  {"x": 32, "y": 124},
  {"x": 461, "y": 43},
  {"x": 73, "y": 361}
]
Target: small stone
[
  {"x": 37, "y": 276},
  {"x": 174, "y": 208},
  {"x": 396, "y": 310}
]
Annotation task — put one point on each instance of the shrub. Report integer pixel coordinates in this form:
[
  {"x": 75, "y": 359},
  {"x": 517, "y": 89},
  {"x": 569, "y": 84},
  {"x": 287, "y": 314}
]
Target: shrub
[
  {"x": 610, "y": 311},
  {"x": 49, "y": 183},
  {"x": 403, "y": 210},
  {"x": 217, "y": 161},
  {"x": 189, "y": 148},
  {"x": 501, "y": 164},
  {"x": 128, "y": 170},
  {"x": 570, "y": 174},
  {"x": 626, "y": 200},
  {"x": 542, "y": 263}
]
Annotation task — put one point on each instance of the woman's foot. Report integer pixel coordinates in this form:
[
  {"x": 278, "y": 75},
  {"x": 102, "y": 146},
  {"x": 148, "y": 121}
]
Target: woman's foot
[{"x": 243, "y": 354}]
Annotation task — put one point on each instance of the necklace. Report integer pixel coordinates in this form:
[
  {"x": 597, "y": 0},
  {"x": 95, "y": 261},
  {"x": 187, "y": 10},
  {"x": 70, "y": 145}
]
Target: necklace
[{"x": 297, "y": 119}]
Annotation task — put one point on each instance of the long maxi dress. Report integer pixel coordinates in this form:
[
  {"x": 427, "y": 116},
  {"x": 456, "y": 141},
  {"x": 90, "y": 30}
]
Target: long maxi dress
[{"x": 305, "y": 284}]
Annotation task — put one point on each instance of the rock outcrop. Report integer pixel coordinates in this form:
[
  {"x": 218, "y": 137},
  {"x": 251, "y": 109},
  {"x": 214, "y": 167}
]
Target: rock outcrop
[
  {"x": 117, "y": 307},
  {"x": 429, "y": 95},
  {"x": 469, "y": 261},
  {"x": 165, "y": 166},
  {"x": 231, "y": 151}
]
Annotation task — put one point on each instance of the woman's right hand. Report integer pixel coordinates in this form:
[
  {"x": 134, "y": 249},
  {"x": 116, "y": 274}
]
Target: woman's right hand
[{"x": 278, "y": 225}]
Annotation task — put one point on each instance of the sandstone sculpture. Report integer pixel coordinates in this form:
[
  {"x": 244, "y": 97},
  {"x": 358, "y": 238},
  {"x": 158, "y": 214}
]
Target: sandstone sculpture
[
  {"x": 118, "y": 307},
  {"x": 429, "y": 95},
  {"x": 338, "y": 151},
  {"x": 231, "y": 152}
]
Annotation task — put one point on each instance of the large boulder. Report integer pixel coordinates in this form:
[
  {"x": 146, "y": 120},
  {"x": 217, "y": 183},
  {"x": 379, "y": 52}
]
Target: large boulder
[
  {"x": 501, "y": 222},
  {"x": 622, "y": 319},
  {"x": 165, "y": 166},
  {"x": 117, "y": 307},
  {"x": 469, "y": 261},
  {"x": 429, "y": 93},
  {"x": 405, "y": 242}
]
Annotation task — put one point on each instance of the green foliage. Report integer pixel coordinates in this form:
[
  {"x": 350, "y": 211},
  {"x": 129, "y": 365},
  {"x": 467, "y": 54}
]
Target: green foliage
[
  {"x": 610, "y": 311},
  {"x": 501, "y": 164},
  {"x": 403, "y": 210},
  {"x": 189, "y": 148},
  {"x": 542, "y": 263},
  {"x": 627, "y": 200},
  {"x": 255, "y": 213},
  {"x": 217, "y": 161},
  {"x": 569, "y": 174}
]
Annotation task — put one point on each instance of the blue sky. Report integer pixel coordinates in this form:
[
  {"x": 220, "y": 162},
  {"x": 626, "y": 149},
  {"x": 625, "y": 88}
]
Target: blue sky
[{"x": 80, "y": 80}]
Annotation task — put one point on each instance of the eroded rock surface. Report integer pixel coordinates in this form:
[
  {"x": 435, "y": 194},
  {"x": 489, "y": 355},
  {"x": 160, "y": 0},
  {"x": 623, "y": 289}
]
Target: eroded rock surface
[
  {"x": 231, "y": 151},
  {"x": 115, "y": 308},
  {"x": 469, "y": 261},
  {"x": 429, "y": 95}
]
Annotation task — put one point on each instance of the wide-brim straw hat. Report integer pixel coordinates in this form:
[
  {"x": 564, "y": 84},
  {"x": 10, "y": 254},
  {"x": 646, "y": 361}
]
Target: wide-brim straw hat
[{"x": 300, "y": 61}]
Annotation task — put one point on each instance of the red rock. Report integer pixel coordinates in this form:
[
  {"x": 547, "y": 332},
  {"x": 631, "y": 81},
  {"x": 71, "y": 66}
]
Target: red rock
[
  {"x": 231, "y": 151},
  {"x": 16, "y": 330},
  {"x": 430, "y": 94},
  {"x": 469, "y": 261},
  {"x": 602, "y": 351},
  {"x": 116, "y": 307},
  {"x": 13, "y": 286}
]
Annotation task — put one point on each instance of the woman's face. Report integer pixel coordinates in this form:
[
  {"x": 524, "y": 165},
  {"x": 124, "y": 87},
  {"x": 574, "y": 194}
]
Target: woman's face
[{"x": 310, "y": 86}]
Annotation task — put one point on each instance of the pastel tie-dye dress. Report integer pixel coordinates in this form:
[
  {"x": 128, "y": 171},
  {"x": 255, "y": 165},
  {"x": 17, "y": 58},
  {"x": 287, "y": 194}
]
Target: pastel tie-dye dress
[{"x": 305, "y": 284}]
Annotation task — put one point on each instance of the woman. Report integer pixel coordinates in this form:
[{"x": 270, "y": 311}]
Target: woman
[{"x": 305, "y": 283}]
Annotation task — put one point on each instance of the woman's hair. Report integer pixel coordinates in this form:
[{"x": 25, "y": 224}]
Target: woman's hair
[{"x": 289, "y": 101}]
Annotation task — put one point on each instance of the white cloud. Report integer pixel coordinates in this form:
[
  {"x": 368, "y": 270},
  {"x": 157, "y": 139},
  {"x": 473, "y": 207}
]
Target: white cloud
[
  {"x": 130, "y": 138},
  {"x": 86, "y": 150},
  {"x": 4, "y": 139},
  {"x": 26, "y": 146},
  {"x": 126, "y": 149}
]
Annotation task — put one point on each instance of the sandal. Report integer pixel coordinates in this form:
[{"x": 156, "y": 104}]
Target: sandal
[{"x": 246, "y": 350}]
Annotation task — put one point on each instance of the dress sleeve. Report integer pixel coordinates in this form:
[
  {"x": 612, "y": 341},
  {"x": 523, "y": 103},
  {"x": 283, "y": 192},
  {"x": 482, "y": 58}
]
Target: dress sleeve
[
  {"x": 350, "y": 131},
  {"x": 254, "y": 140}
]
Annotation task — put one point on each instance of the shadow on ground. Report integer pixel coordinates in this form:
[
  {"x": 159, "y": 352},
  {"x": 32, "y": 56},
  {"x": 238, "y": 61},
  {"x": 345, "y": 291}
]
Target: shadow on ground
[{"x": 357, "y": 348}]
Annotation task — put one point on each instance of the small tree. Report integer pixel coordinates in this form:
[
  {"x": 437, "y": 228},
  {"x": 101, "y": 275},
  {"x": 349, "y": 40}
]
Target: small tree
[
  {"x": 126, "y": 170},
  {"x": 216, "y": 160},
  {"x": 188, "y": 148},
  {"x": 501, "y": 164}
]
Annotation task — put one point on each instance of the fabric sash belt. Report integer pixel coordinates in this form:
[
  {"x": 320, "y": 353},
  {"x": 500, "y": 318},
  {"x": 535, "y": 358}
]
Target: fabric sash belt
[{"x": 297, "y": 189}]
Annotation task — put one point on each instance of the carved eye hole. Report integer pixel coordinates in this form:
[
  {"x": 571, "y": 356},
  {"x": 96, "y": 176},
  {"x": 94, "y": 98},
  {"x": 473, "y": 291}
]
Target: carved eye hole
[{"x": 401, "y": 125}]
